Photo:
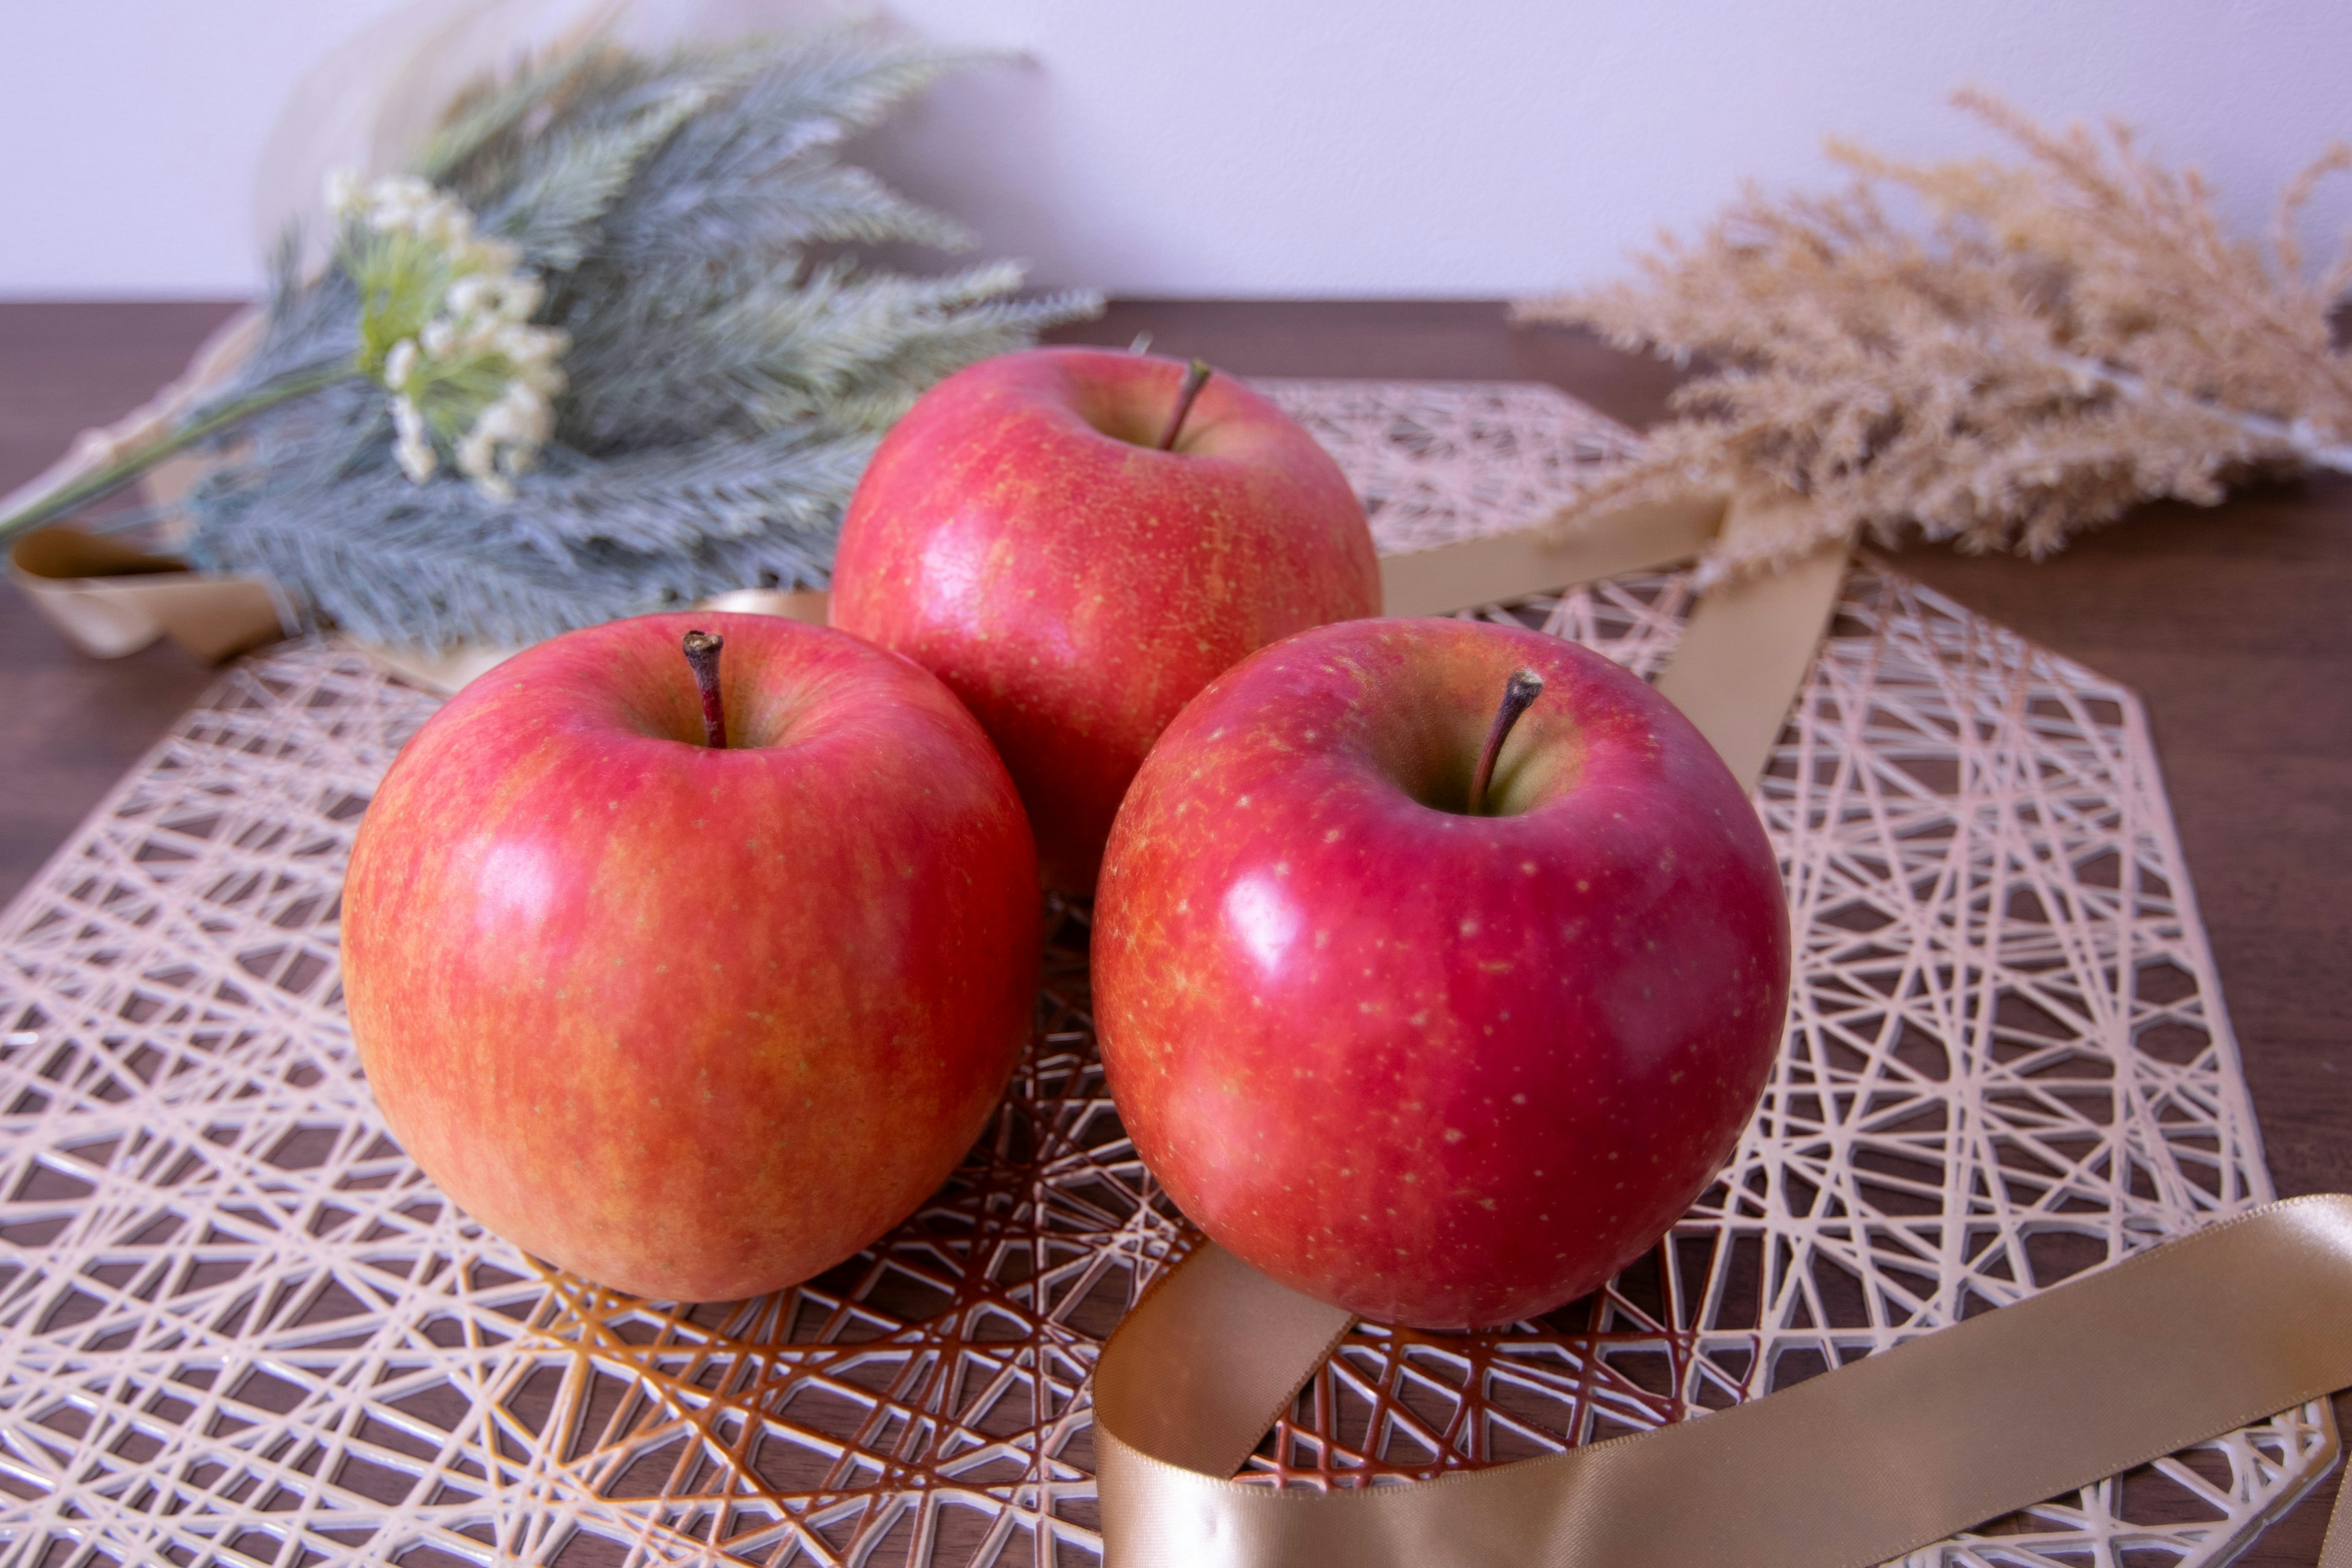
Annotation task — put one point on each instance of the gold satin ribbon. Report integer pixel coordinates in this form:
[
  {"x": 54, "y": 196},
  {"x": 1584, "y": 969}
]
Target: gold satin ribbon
[{"x": 1854, "y": 1467}]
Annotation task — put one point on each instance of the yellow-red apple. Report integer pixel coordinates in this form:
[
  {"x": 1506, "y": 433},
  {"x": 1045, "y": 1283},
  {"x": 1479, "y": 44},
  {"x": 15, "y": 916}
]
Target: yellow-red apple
[{"x": 693, "y": 1021}]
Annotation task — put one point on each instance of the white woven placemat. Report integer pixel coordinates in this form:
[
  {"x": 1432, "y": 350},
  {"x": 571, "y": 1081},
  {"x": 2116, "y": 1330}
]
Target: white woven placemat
[{"x": 237, "y": 1325}]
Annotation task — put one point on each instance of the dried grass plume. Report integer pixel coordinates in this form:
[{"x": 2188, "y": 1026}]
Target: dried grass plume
[{"x": 2071, "y": 334}]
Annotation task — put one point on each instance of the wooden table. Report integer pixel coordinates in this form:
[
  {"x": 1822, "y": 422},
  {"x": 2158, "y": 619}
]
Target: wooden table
[{"x": 2234, "y": 624}]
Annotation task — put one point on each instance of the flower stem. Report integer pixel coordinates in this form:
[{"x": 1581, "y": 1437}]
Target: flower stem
[
  {"x": 1524, "y": 687},
  {"x": 2296, "y": 435},
  {"x": 128, "y": 464}
]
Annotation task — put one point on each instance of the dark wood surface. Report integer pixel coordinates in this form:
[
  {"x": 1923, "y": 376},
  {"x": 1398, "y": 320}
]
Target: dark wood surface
[
  {"x": 2234, "y": 625},
  {"x": 69, "y": 725}
]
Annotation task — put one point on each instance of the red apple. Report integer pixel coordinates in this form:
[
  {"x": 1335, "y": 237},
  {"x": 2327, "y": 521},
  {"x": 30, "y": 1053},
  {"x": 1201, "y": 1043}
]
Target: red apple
[
  {"x": 1439, "y": 1067},
  {"x": 694, "y": 1023},
  {"x": 1020, "y": 535}
]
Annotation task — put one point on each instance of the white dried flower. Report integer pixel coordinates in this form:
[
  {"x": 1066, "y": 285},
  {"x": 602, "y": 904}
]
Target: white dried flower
[
  {"x": 448, "y": 330},
  {"x": 396, "y": 202},
  {"x": 415, "y": 448},
  {"x": 505, "y": 438},
  {"x": 467, "y": 294}
]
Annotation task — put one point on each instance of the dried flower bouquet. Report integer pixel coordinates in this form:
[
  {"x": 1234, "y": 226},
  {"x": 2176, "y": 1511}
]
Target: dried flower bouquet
[
  {"x": 598, "y": 351},
  {"x": 2072, "y": 334}
]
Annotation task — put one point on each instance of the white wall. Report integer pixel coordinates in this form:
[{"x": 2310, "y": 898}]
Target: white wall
[{"x": 1241, "y": 147}]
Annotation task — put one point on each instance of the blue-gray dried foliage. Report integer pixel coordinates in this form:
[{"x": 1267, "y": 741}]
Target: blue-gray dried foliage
[{"x": 731, "y": 368}]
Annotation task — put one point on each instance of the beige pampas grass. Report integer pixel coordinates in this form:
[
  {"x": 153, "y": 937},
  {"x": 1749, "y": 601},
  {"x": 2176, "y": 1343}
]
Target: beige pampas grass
[{"x": 2072, "y": 334}]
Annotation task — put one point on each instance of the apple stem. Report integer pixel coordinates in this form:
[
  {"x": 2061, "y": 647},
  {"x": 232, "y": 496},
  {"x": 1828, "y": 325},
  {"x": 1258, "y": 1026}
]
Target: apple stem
[
  {"x": 1518, "y": 694},
  {"x": 1195, "y": 378},
  {"x": 702, "y": 653}
]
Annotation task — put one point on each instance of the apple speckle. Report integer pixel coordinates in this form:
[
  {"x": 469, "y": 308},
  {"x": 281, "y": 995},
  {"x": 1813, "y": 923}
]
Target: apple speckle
[
  {"x": 1453, "y": 1135},
  {"x": 1519, "y": 1099}
]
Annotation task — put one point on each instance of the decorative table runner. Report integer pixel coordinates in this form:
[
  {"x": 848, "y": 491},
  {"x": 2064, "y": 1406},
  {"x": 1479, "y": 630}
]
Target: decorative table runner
[{"x": 237, "y": 1325}]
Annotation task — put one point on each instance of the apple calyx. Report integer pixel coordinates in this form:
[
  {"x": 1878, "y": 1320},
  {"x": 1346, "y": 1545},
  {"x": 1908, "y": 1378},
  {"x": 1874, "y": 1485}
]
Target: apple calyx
[
  {"x": 1195, "y": 377},
  {"x": 702, "y": 655},
  {"x": 1518, "y": 694}
]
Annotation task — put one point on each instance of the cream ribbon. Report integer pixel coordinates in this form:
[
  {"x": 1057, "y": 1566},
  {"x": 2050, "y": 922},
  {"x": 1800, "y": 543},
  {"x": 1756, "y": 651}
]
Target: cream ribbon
[{"x": 109, "y": 599}]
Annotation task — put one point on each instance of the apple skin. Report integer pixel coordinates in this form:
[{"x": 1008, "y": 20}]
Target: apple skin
[
  {"x": 1439, "y": 1069},
  {"x": 1018, "y": 535},
  {"x": 694, "y": 1024}
]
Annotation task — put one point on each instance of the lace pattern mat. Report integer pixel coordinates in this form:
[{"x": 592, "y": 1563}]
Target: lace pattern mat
[{"x": 237, "y": 1325}]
